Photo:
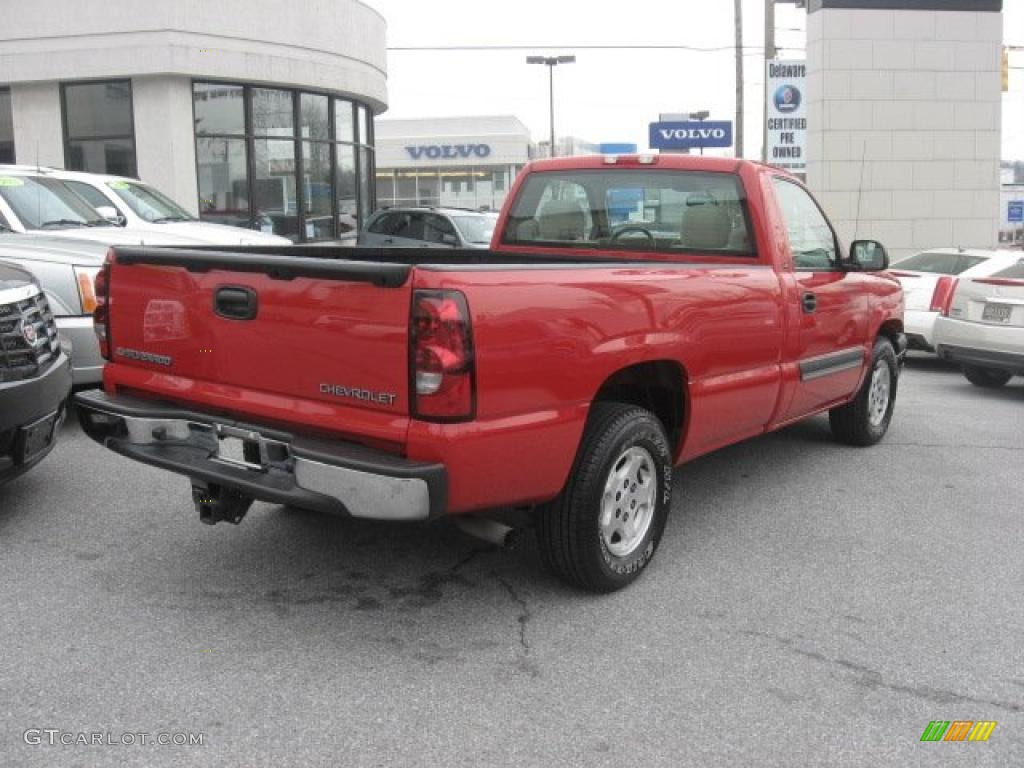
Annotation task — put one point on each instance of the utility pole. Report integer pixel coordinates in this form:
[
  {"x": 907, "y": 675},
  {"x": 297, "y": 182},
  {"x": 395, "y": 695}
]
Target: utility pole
[
  {"x": 769, "y": 54},
  {"x": 738, "y": 4}
]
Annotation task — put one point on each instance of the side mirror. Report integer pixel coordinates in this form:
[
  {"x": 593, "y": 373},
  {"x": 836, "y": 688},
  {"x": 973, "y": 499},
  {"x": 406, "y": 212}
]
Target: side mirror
[
  {"x": 111, "y": 214},
  {"x": 868, "y": 256},
  {"x": 449, "y": 239}
]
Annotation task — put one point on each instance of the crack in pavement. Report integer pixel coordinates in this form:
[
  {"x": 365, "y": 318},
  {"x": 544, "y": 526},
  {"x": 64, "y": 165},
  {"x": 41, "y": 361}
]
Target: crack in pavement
[
  {"x": 888, "y": 443},
  {"x": 473, "y": 555},
  {"x": 524, "y": 615},
  {"x": 872, "y": 678}
]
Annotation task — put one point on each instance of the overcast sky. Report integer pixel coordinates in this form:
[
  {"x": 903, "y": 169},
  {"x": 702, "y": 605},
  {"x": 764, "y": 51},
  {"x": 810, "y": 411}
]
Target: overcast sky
[{"x": 607, "y": 95}]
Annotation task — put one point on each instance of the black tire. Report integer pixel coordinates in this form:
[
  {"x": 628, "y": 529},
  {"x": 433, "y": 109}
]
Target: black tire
[
  {"x": 861, "y": 422},
  {"x": 989, "y": 378},
  {"x": 573, "y": 543}
]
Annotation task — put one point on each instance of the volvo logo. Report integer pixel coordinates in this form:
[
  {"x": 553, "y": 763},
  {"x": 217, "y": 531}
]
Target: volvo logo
[
  {"x": 29, "y": 332},
  {"x": 787, "y": 98},
  {"x": 448, "y": 151}
]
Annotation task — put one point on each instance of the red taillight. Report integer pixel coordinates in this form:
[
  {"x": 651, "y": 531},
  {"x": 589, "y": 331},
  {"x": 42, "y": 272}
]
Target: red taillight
[
  {"x": 943, "y": 294},
  {"x": 101, "y": 315},
  {"x": 443, "y": 367}
]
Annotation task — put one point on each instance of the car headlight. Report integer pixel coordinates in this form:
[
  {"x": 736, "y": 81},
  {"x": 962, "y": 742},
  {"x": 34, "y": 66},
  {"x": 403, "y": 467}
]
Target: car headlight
[{"x": 86, "y": 279}]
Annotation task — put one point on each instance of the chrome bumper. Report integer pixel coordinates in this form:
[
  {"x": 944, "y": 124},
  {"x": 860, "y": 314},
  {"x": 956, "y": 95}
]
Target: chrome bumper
[
  {"x": 86, "y": 361},
  {"x": 264, "y": 463}
]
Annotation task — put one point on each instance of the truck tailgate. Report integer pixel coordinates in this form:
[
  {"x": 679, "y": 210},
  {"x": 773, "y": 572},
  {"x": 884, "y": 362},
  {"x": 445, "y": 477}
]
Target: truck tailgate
[{"x": 323, "y": 330}]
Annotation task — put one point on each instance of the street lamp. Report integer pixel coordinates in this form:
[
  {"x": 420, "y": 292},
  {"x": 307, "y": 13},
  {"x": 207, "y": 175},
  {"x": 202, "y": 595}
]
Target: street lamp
[{"x": 551, "y": 62}]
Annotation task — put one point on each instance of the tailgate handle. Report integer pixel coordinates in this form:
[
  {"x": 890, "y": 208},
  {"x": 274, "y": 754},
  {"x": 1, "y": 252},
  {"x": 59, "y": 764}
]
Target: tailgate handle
[{"x": 235, "y": 302}]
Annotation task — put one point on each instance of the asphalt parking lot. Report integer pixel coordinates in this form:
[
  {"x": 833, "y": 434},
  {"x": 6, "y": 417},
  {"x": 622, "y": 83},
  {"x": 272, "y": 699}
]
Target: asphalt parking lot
[{"x": 811, "y": 604}]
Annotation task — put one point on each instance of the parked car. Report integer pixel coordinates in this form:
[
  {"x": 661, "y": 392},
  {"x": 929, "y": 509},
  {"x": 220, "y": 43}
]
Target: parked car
[
  {"x": 567, "y": 370},
  {"x": 928, "y": 278},
  {"x": 35, "y": 377},
  {"x": 132, "y": 204},
  {"x": 66, "y": 269},
  {"x": 416, "y": 227},
  {"x": 981, "y": 326},
  {"x": 34, "y": 202}
]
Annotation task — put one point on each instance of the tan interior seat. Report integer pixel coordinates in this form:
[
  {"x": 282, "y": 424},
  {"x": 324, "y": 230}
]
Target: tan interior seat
[
  {"x": 562, "y": 220},
  {"x": 706, "y": 224}
]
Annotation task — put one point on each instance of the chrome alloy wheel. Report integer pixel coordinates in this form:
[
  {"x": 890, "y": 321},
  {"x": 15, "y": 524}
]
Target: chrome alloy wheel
[
  {"x": 878, "y": 395},
  {"x": 627, "y": 506}
]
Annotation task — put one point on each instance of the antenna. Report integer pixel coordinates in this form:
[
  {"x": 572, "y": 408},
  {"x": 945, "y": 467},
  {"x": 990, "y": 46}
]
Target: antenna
[{"x": 860, "y": 189}]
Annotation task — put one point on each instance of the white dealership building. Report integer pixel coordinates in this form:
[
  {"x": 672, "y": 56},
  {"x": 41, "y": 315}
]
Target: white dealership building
[
  {"x": 904, "y": 119},
  {"x": 244, "y": 111},
  {"x": 468, "y": 162}
]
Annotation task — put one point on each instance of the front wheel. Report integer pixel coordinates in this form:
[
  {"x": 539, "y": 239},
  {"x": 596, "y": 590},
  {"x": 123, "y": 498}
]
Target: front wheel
[
  {"x": 865, "y": 419},
  {"x": 604, "y": 527},
  {"x": 989, "y": 378}
]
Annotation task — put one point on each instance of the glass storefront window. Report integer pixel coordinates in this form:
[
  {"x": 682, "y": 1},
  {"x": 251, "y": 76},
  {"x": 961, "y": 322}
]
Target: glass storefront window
[
  {"x": 273, "y": 112},
  {"x": 219, "y": 108},
  {"x": 348, "y": 207},
  {"x": 365, "y": 168},
  {"x": 295, "y": 155},
  {"x": 273, "y": 185},
  {"x": 316, "y": 190},
  {"x": 364, "y": 125},
  {"x": 116, "y": 156},
  {"x": 98, "y": 127},
  {"x": 6, "y": 127},
  {"x": 344, "y": 123},
  {"x": 313, "y": 117},
  {"x": 223, "y": 183}
]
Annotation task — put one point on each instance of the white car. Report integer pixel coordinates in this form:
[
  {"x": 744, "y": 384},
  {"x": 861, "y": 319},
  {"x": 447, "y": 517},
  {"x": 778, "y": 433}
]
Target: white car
[
  {"x": 927, "y": 279},
  {"x": 982, "y": 326},
  {"x": 118, "y": 209}
]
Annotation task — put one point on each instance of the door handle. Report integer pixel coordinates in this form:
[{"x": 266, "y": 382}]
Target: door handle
[
  {"x": 809, "y": 302},
  {"x": 235, "y": 302}
]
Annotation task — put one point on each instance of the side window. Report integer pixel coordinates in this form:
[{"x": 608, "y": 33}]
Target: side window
[
  {"x": 811, "y": 239},
  {"x": 90, "y": 194},
  {"x": 436, "y": 227},
  {"x": 384, "y": 224}
]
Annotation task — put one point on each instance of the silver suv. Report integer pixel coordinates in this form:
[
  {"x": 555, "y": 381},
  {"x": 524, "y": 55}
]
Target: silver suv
[{"x": 422, "y": 227}]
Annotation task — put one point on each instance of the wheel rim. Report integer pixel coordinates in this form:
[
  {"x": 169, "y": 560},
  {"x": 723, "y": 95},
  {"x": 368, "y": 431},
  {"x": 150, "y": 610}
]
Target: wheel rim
[
  {"x": 627, "y": 506},
  {"x": 878, "y": 396}
]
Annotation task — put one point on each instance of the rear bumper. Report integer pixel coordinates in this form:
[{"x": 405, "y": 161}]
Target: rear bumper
[
  {"x": 920, "y": 327},
  {"x": 982, "y": 344},
  {"x": 335, "y": 477},
  {"x": 86, "y": 361},
  {"x": 984, "y": 358}
]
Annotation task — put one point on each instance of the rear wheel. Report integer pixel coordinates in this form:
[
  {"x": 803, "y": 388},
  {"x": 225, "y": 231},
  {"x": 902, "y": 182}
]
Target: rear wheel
[
  {"x": 990, "y": 378},
  {"x": 604, "y": 528},
  {"x": 865, "y": 420}
]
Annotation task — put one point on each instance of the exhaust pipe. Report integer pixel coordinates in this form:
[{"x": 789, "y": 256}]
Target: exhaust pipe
[{"x": 491, "y": 531}]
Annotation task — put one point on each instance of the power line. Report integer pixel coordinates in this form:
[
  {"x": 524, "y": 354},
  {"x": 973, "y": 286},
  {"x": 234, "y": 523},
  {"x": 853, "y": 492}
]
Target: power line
[{"x": 656, "y": 47}]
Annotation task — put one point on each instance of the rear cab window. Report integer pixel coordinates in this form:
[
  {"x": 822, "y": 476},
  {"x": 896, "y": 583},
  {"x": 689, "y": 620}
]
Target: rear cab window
[{"x": 647, "y": 210}]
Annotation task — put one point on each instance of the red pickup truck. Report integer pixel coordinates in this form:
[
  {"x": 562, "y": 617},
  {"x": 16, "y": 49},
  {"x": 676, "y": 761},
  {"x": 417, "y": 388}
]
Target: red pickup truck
[{"x": 633, "y": 312}]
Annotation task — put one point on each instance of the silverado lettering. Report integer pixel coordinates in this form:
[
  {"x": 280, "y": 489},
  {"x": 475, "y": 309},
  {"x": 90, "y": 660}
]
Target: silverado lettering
[{"x": 560, "y": 376}]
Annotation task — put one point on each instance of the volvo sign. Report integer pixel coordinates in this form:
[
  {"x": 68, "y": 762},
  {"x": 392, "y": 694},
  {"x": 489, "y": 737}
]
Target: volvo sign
[
  {"x": 448, "y": 151},
  {"x": 692, "y": 134}
]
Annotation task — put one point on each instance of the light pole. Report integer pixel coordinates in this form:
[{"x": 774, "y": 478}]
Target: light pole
[
  {"x": 551, "y": 62},
  {"x": 700, "y": 117}
]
